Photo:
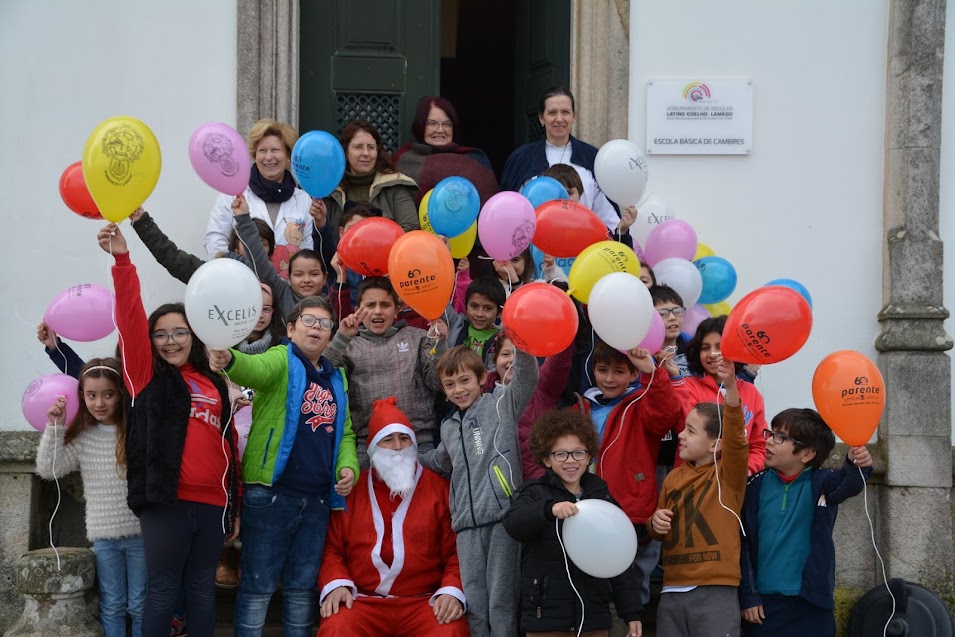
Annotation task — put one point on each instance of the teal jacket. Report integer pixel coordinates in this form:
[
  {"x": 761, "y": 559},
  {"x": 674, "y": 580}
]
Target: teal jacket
[{"x": 278, "y": 378}]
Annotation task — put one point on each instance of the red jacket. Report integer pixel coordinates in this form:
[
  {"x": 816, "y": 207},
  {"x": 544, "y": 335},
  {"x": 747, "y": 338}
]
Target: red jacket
[
  {"x": 550, "y": 387},
  {"x": 627, "y": 459}
]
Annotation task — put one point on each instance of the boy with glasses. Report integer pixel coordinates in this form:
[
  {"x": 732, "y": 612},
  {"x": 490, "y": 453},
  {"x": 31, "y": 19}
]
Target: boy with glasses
[
  {"x": 788, "y": 556},
  {"x": 669, "y": 304}
]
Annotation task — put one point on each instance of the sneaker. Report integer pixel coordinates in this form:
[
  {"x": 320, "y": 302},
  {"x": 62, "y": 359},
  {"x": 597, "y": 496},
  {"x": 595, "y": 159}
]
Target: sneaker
[
  {"x": 179, "y": 628},
  {"x": 226, "y": 576}
]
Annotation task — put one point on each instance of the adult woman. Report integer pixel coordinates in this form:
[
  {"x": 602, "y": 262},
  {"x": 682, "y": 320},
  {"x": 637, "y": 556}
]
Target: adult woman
[
  {"x": 272, "y": 194},
  {"x": 556, "y": 114},
  {"x": 435, "y": 155}
]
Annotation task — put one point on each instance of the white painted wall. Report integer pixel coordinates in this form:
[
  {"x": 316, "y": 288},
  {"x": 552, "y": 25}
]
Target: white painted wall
[
  {"x": 947, "y": 188},
  {"x": 66, "y": 67},
  {"x": 807, "y": 204}
]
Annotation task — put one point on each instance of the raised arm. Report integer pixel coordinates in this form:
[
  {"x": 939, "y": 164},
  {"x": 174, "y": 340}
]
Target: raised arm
[
  {"x": 179, "y": 263},
  {"x": 521, "y": 388},
  {"x": 282, "y": 295},
  {"x": 62, "y": 355}
]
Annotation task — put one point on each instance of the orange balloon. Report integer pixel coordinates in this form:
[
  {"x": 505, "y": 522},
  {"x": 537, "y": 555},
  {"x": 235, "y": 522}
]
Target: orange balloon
[
  {"x": 565, "y": 228},
  {"x": 768, "y": 325},
  {"x": 75, "y": 194},
  {"x": 850, "y": 395},
  {"x": 540, "y": 319},
  {"x": 366, "y": 246},
  {"x": 422, "y": 272}
]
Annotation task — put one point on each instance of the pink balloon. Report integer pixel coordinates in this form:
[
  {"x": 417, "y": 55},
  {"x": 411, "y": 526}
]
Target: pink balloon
[
  {"x": 41, "y": 394},
  {"x": 219, "y": 156},
  {"x": 506, "y": 225},
  {"x": 655, "y": 337},
  {"x": 242, "y": 420},
  {"x": 81, "y": 313},
  {"x": 671, "y": 239},
  {"x": 693, "y": 317}
]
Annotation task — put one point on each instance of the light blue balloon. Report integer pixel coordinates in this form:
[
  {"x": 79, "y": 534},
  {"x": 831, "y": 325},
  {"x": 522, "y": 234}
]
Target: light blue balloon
[
  {"x": 719, "y": 279},
  {"x": 453, "y": 206},
  {"x": 543, "y": 189},
  {"x": 318, "y": 163},
  {"x": 794, "y": 285},
  {"x": 563, "y": 262}
]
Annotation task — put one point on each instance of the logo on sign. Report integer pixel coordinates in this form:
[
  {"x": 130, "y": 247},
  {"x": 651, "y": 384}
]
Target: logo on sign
[{"x": 696, "y": 92}]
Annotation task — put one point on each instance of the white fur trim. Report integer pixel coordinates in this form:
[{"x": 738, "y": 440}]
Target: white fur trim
[
  {"x": 387, "y": 573},
  {"x": 337, "y": 583},
  {"x": 454, "y": 592},
  {"x": 387, "y": 430}
]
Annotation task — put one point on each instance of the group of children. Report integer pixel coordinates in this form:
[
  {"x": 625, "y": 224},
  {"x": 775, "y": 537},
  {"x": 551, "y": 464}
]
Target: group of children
[{"x": 496, "y": 421}]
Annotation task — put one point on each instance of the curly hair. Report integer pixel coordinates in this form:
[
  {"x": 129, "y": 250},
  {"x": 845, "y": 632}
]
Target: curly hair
[{"x": 554, "y": 424}]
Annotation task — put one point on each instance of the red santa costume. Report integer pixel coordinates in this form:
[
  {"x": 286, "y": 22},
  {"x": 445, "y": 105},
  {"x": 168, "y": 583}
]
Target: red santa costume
[{"x": 394, "y": 583}]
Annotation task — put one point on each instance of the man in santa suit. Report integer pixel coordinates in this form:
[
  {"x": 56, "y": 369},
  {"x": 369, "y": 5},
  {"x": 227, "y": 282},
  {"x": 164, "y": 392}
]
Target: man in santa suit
[{"x": 390, "y": 566}]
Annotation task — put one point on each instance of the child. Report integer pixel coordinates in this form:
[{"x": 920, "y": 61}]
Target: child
[
  {"x": 303, "y": 446},
  {"x": 94, "y": 443},
  {"x": 565, "y": 442},
  {"x": 382, "y": 359},
  {"x": 515, "y": 272},
  {"x": 632, "y": 407},
  {"x": 479, "y": 449},
  {"x": 669, "y": 304},
  {"x": 647, "y": 276},
  {"x": 702, "y": 386},
  {"x": 697, "y": 520},
  {"x": 476, "y": 329},
  {"x": 788, "y": 559}
]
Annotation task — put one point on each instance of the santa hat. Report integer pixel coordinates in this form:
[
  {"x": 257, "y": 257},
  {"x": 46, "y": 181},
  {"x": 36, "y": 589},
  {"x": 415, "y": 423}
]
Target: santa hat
[{"x": 385, "y": 420}]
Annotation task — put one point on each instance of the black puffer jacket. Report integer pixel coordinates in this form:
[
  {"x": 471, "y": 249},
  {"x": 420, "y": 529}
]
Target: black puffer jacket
[{"x": 548, "y": 602}]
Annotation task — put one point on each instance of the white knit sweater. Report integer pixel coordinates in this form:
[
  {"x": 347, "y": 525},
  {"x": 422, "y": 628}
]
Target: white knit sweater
[{"x": 93, "y": 452}]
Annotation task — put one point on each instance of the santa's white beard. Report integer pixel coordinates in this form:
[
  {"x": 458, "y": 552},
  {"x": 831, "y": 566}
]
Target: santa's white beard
[{"x": 396, "y": 468}]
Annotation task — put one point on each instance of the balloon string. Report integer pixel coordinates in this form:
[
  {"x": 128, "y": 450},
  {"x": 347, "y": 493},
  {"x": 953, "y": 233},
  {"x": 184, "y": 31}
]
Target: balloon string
[
  {"x": 885, "y": 580},
  {"x": 225, "y": 454},
  {"x": 248, "y": 250},
  {"x": 497, "y": 407},
  {"x": 433, "y": 337},
  {"x": 569, "y": 578},
  {"x": 58, "y": 497}
]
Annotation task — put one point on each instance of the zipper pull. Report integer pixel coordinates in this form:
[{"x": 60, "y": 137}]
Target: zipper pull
[{"x": 538, "y": 612}]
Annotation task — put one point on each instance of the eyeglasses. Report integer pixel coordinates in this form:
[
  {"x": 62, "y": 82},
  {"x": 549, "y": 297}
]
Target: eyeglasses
[
  {"x": 779, "y": 438},
  {"x": 667, "y": 311},
  {"x": 360, "y": 147},
  {"x": 266, "y": 309},
  {"x": 310, "y": 320},
  {"x": 576, "y": 454},
  {"x": 435, "y": 124},
  {"x": 178, "y": 337}
]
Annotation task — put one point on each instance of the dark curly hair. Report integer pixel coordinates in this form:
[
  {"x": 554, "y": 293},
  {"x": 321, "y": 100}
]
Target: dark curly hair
[
  {"x": 710, "y": 325},
  {"x": 556, "y": 423}
]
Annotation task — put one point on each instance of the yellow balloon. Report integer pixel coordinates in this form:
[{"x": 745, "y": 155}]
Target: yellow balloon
[
  {"x": 462, "y": 244},
  {"x": 423, "y": 213},
  {"x": 597, "y": 261},
  {"x": 121, "y": 166},
  {"x": 718, "y": 309},
  {"x": 703, "y": 250}
]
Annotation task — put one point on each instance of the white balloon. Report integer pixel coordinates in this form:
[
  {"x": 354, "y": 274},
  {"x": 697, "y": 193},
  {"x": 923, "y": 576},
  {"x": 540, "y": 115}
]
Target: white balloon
[
  {"x": 600, "y": 539},
  {"x": 620, "y": 310},
  {"x": 650, "y": 214},
  {"x": 682, "y": 276},
  {"x": 621, "y": 171},
  {"x": 223, "y": 302}
]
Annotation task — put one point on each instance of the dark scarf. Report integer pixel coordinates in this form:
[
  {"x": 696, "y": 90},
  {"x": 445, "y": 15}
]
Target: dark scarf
[{"x": 271, "y": 191}]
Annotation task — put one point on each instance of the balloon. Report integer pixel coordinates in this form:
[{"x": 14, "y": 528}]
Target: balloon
[
  {"x": 219, "y": 156},
  {"x": 318, "y": 162},
  {"x": 564, "y": 263},
  {"x": 653, "y": 341},
  {"x": 718, "y": 309},
  {"x": 703, "y": 250},
  {"x": 849, "y": 394},
  {"x": 621, "y": 171},
  {"x": 423, "y": 219},
  {"x": 719, "y": 279},
  {"x": 365, "y": 246},
  {"x": 506, "y": 225},
  {"x": 695, "y": 314},
  {"x": 597, "y": 261},
  {"x": 565, "y": 228},
  {"x": 650, "y": 213},
  {"x": 242, "y": 421},
  {"x": 462, "y": 244},
  {"x": 422, "y": 273},
  {"x": 768, "y": 325},
  {"x": 543, "y": 189},
  {"x": 223, "y": 302},
  {"x": 81, "y": 313},
  {"x": 795, "y": 285},
  {"x": 600, "y": 539},
  {"x": 121, "y": 165},
  {"x": 41, "y": 394},
  {"x": 673, "y": 239},
  {"x": 540, "y": 319},
  {"x": 454, "y": 206},
  {"x": 682, "y": 276},
  {"x": 75, "y": 194},
  {"x": 620, "y": 310}
]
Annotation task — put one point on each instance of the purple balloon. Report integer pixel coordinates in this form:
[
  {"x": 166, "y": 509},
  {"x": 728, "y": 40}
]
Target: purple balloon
[
  {"x": 242, "y": 421},
  {"x": 42, "y": 393},
  {"x": 671, "y": 239},
  {"x": 693, "y": 317},
  {"x": 506, "y": 225},
  {"x": 81, "y": 313},
  {"x": 219, "y": 156},
  {"x": 657, "y": 334}
]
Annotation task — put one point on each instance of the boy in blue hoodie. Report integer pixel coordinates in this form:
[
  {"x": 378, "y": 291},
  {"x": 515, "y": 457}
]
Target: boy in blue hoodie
[{"x": 788, "y": 559}]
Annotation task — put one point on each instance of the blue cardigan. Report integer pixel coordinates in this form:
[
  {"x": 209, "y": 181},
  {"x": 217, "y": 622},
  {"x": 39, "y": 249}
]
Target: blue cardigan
[{"x": 530, "y": 160}]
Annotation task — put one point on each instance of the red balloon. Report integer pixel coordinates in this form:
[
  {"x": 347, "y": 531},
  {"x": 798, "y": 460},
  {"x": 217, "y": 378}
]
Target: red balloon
[
  {"x": 850, "y": 395},
  {"x": 367, "y": 244},
  {"x": 565, "y": 228},
  {"x": 75, "y": 194},
  {"x": 768, "y": 325},
  {"x": 540, "y": 319}
]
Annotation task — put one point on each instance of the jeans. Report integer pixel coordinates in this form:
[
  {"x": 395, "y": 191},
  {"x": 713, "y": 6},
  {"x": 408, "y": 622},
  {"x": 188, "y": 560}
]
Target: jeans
[
  {"x": 282, "y": 540},
  {"x": 121, "y": 574}
]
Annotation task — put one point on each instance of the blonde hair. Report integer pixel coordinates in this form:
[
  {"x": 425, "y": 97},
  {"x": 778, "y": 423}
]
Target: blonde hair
[{"x": 266, "y": 127}]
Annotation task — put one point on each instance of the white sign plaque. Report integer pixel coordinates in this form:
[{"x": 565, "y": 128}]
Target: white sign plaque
[{"x": 699, "y": 117}]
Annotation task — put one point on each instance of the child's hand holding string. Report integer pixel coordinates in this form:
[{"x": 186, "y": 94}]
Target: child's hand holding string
[
  {"x": 111, "y": 239},
  {"x": 726, "y": 373},
  {"x": 57, "y": 410},
  {"x": 641, "y": 359},
  {"x": 46, "y": 336},
  {"x": 860, "y": 456},
  {"x": 240, "y": 206},
  {"x": 219, "y": 359}
]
